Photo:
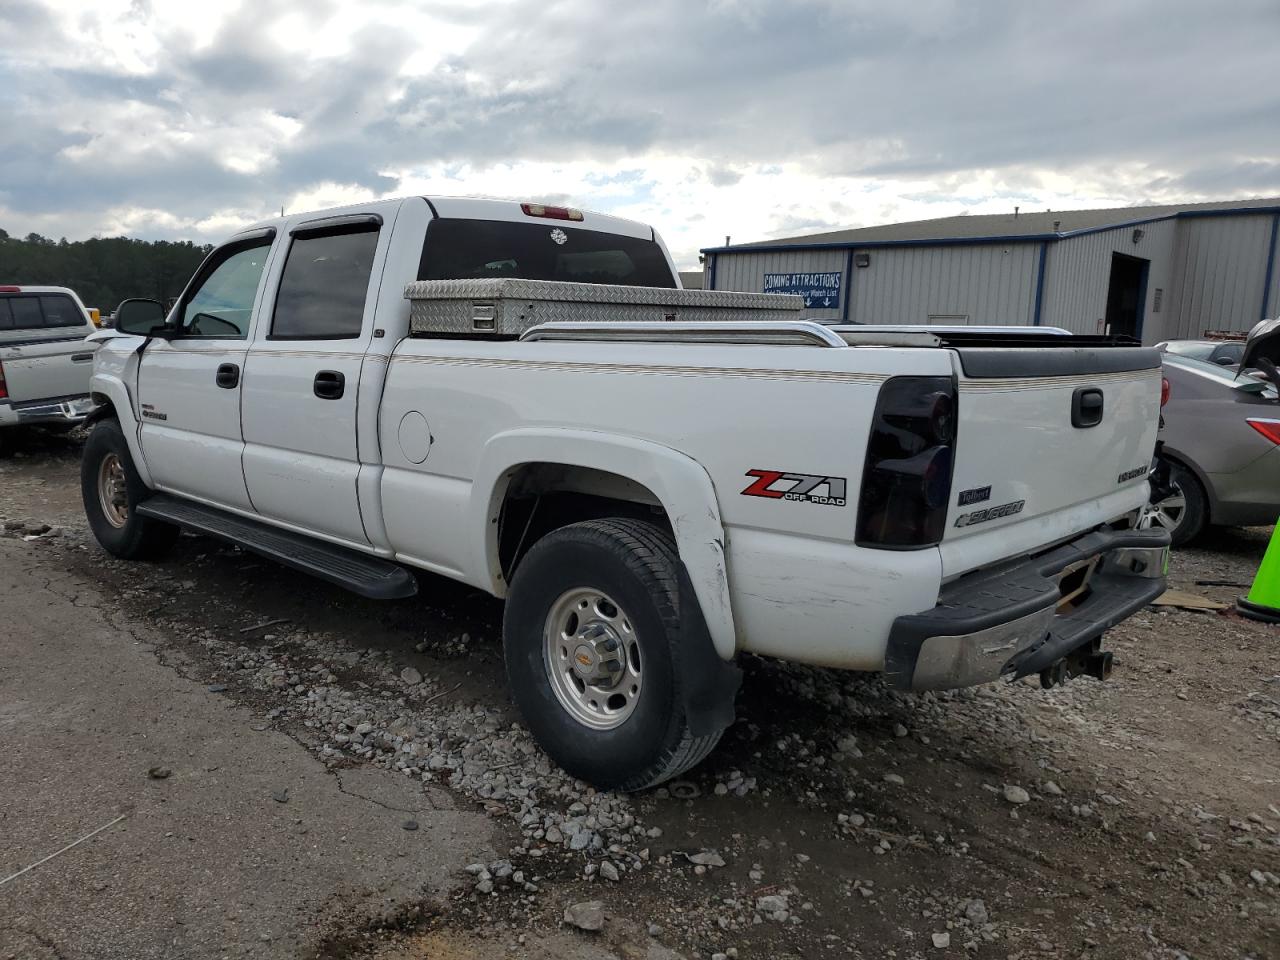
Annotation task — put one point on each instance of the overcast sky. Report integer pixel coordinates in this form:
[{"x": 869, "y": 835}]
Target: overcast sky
[{"x": 755, "y": 118}]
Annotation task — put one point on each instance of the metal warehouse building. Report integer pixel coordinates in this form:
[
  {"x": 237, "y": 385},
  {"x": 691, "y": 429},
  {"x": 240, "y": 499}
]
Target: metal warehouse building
[{"x": 1155, "y": 273}]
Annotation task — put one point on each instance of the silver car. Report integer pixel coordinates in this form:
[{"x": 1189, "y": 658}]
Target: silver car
[
  {"x": 1222, "y": 438},
  {"x": 1225, "y": 353}
]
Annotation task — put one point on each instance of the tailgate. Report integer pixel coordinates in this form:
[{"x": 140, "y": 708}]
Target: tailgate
[
  {"x": 48, "y": 368},
  {"x": 1050, "y": 442}
]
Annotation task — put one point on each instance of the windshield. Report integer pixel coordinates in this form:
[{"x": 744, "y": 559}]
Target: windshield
[{"x": 476, "y": 249}]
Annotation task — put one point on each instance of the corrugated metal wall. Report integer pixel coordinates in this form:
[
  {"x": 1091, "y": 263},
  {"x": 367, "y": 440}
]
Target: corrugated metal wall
[
  {"x": 1221, "y": 265},
  {"x": 745, "y": 271},
  {"x": 1205, "y": 273},
  {"x": 987, "y": 283},
  {"x": 1273, "y": 297},
  {"x": 1078, "y": 273}
]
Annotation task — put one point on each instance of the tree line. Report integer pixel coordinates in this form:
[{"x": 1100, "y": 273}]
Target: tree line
[{"x": 104, "y": 270}]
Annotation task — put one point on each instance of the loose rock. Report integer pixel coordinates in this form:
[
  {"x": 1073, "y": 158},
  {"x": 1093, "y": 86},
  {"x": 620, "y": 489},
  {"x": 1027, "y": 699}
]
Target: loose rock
[{"x": 588, "y": 915}]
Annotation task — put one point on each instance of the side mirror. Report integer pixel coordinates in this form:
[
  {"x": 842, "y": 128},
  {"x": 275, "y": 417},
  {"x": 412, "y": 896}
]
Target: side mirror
[
  {"x": 1224, "y": 362},
  {"x": 140, "y": 317}
]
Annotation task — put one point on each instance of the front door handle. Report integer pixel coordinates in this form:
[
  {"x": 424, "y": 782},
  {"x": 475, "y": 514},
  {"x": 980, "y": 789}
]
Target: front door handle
[
  {"x": 329, "y": 385},
  {"x": 228, "y": 377}
]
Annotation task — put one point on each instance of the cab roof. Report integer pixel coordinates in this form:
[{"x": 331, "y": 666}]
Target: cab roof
[{"x": 467, "y": 208}]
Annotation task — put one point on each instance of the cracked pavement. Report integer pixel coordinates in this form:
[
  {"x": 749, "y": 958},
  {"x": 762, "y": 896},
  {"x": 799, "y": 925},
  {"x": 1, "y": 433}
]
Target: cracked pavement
[{"x": 206, "y": 862}]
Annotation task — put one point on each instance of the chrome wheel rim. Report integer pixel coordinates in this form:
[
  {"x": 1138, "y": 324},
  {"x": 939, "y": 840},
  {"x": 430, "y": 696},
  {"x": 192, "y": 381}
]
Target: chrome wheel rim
[
  {"x": 1166, "y": 514},
  {"x": 592, "y": 658},
  {"x": 112, "y": 491}
]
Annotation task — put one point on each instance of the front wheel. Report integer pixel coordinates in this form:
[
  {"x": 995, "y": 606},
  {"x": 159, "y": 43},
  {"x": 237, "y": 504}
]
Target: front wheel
[
  {"x": 591, "y": 636},
  {"x": 111, "y": 489}
]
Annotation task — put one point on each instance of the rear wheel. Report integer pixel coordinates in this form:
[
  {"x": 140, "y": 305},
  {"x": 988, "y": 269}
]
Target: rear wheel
[
  {"x": 111, "y": 489},
  {"x": 591, "y": 634},
  {"x": 1183, "y": 512}
]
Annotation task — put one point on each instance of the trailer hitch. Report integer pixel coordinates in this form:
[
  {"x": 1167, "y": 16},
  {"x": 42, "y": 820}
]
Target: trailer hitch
[{"x": 1086, "y": 660}]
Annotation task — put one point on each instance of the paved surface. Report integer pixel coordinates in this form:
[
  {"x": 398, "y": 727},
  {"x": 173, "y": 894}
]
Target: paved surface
[
  {"x": 207, "y": 862},
  {"x": 1133, "y": 819}
]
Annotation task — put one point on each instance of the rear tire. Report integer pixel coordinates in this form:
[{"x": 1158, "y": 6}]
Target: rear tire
[
  {"x": 1184, "y": 513},
  {"x": 111, "y": 489},
  {"x": 591, "y": 635}
]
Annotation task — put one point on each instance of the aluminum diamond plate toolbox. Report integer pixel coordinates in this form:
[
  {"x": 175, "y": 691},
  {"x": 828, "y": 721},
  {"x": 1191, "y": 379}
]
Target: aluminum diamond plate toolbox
[{"x": 507, "y": 307}]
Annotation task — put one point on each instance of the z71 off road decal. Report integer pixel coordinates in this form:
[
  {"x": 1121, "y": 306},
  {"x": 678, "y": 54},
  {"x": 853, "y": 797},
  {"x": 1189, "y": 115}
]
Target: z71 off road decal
[{"x": 778, "y": 485}]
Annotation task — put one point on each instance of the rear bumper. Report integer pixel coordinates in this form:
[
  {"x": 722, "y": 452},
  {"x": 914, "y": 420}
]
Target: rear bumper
[
  {"x": 1250, "y": 496},
  {"x": 68, "y": 410},
  {"x": 1006, "y": 621}
]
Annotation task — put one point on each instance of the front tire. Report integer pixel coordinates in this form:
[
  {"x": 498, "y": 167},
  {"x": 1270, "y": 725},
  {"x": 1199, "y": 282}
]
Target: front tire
[
  {"x": 111, "y": 489},
  {"x": 591, "y": 635}
]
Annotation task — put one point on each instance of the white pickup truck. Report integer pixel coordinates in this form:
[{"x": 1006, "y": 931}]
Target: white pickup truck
[
  {"x": 351, "y": 393},
  {"x": 45, "y": 364}
]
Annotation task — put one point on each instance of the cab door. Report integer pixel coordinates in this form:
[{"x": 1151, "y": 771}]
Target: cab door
[
  {"x": 189, "y": 385},
  {"x": 301, "y": 460}
]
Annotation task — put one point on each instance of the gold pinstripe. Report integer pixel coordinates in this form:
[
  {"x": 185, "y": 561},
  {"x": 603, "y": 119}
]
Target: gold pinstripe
[
  {"x": 566, "y": 366},
  {"x": 999, "y": 385},
  {"x": 1011, "y": 385}
]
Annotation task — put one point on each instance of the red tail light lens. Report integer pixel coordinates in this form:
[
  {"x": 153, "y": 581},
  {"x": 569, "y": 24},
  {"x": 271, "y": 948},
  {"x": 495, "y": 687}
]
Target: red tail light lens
[
  {"x": 4, "y": 387},
  {"x": 1268, "y": 428},
  {"x": 906, "y": 481},
  {"x": 1165, "y": 390},
  {"x": 552, "y": 213},
  {"x": 10, "y": 289}
]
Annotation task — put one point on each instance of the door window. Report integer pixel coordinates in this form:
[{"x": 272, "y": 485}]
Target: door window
[
  {"x": 222, "y": 305},
  {"x": 323, "y": 287}
]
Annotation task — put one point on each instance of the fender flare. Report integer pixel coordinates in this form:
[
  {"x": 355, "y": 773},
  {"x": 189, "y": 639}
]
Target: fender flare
[
  {"x": 680, "y": 483},
  {"x": 114, "y": 389}
]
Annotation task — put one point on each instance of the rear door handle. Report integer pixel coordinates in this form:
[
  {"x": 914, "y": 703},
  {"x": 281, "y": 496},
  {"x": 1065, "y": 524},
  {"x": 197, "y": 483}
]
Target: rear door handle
[
  {"x": 82, "y": 358},
  {"x": 329, "y": 385},
  {"x": 228, "y": 377},
  {"x": 1086, "y": 407}
]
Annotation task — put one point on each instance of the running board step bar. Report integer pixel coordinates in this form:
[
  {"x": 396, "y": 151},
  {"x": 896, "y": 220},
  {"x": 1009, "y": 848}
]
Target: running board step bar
[{"x": 367, "y": 576}]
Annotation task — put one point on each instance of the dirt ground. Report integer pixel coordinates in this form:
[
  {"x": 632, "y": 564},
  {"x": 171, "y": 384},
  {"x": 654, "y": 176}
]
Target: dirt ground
[{"x": 1136, "y": 818}]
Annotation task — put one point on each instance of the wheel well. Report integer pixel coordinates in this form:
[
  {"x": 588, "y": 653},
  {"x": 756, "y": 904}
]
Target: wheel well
[
  {"x": 103, "y": 408},
  {"x": 542, "y": 497}
]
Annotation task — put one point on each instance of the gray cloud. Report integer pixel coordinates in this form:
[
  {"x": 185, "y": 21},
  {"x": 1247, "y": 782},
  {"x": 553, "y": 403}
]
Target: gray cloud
[{"x": 928, "y": 92}]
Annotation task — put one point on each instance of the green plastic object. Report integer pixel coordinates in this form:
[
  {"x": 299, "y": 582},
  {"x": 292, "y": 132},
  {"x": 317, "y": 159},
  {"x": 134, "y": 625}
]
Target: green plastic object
[{"x": 1263, "y": 602}]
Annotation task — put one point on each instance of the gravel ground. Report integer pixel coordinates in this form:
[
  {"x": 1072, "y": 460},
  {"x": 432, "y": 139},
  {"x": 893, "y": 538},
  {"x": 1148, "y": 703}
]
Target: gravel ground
[{"x": 1134, "y": 818}]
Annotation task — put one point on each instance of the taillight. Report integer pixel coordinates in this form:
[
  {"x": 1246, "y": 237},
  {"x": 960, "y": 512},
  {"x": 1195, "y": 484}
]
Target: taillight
[
  {"x": 906, "y": 482},
  {"x": 1165, "y": 390},
  {"x": 553, "y": 213},
  {"x": 4, "y": 387},
  {"x": 10, "y": 289},
  {"x": 1268, "y": 428}
]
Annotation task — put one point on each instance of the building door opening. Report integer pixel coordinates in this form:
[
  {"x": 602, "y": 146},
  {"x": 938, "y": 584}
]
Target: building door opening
[{"x": 1127, "y": 295}]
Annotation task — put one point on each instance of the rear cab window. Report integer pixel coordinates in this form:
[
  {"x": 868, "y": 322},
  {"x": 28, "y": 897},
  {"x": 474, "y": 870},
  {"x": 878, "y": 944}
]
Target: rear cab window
[
  {"x": 39, "y": 311},
  {"x": 479, "y": 249}
]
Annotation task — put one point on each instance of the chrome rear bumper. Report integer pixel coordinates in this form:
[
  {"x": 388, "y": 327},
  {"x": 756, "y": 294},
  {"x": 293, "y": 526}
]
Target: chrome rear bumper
[
  {"x": 1013, "y": 619},
  {"x": 68, "y": 410}
]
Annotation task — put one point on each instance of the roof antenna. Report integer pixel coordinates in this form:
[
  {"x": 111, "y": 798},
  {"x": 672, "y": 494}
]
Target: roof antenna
[
  {"x": 1015, "y": 212},
  {"x": 726, "y": 239},
  {"x": 282, "y": 209}
]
